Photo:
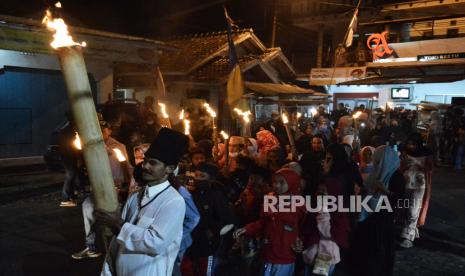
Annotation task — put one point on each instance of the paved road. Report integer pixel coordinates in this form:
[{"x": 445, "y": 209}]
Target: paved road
[{"x": 37, "y": 237}]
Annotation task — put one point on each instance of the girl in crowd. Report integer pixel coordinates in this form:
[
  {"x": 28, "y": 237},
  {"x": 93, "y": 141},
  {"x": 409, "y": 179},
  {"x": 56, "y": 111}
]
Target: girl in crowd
[{"x": 279, "y": 230}]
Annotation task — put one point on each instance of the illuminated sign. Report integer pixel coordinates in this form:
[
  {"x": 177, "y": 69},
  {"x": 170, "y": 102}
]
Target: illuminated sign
[
  {"x": 440, "y": 56},
  {"x": 378, "y": 45}
]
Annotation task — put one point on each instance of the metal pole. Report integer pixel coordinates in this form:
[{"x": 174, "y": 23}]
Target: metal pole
[{"x": 82, "y": 104}]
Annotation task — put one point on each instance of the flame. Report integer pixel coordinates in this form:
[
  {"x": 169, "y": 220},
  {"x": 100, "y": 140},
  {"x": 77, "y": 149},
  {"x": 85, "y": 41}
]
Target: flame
[
  {"x": 119, "y": 155},
  {"x": 245, "y": 114},
  {"x": 299, "y": 115},
  {"x": 375, "y": 98},
  {"x": 61, "y": 37},
  {"x": 285, "y": 119},
  {"x": 187, "y": 127},
  {"x": 224, "y": 134},
  {"x": 163, "y": 110},
  {"x": 357, "y": 114},
  {"x": 390, "y": 105},
  {"x": 210, "y": 110},
  {"x": 181, "y": 115},
  {"x": 77, "y": 142},
  {"x": 313, "y": 111}
]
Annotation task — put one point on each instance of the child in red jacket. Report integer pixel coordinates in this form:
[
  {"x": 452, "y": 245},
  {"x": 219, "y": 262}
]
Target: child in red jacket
[{"x": 279, "y": 230}]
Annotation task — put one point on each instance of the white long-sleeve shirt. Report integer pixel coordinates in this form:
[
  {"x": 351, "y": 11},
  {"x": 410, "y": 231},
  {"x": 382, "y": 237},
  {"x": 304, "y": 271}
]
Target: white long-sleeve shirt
[{"x": 151, "y": 235}]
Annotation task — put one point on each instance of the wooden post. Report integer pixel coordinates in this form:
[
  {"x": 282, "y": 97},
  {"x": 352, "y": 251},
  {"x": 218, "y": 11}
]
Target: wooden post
[{"x": 85, "y": 116}]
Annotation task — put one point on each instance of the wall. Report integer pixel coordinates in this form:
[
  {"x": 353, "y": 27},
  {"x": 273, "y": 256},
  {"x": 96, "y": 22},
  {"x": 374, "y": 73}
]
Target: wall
[
  {"x": 100, "y": 70},
  {"x": 32, "y": 104}
]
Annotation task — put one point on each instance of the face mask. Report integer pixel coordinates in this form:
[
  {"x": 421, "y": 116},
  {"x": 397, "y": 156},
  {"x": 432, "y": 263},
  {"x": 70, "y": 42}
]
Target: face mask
[
  {"x": 233, "y": 154},
  {"x": 251, "y": 149}
]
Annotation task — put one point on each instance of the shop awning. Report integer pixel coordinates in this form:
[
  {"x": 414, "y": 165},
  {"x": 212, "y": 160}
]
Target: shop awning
[{"x": 274, "y": 89}]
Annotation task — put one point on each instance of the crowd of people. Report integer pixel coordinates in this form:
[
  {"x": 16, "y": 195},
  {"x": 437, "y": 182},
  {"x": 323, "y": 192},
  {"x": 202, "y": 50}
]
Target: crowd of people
[{"x": 193, "y": 207}]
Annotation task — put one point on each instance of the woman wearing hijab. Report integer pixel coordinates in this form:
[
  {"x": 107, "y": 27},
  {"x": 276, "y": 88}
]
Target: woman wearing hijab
[
  {"x": 417, "y": 168},
  {"x": 366, "y": 161},
  {"x": 372, "y": 248},
  {"x": 265, "y": 141}
]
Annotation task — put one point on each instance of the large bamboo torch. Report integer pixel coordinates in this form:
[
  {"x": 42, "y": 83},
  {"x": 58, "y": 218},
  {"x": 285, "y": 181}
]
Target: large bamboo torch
[
  {"x": 289, "y": 135},
  {"x": 80, "y": 97},
  {"x": 245, "y": 130}
]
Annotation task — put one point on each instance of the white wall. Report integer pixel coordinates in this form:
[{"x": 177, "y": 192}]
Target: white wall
[{"x": 420, "y": 92}]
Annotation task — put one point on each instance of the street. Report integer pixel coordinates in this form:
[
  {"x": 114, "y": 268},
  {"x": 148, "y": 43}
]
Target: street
[{"x": 37, "y": 237}]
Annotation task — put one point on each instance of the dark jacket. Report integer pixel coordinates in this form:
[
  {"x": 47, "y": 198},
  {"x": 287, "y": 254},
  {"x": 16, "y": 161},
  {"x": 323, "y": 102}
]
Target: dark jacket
[{"x": 215, "y": 213}]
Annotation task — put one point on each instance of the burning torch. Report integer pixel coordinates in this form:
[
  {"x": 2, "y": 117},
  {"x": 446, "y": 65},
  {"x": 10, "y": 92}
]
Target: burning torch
[
  {"x": 226, "y": 146},
  {"x": 245, "y": 131},
  {"x": 289, "y": 135},
  {"x": 214, "y": 129},
  {"x": 80, "y": 96},
  {"x": 166, "y": 118},
  {"x": 356, "y": 116}
]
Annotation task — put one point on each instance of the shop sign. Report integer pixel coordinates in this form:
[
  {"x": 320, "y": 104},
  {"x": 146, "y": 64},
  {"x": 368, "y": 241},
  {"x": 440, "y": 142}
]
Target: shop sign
[
  {"x": 330, "y": 76},
  {"x": 440, "y": 56}
]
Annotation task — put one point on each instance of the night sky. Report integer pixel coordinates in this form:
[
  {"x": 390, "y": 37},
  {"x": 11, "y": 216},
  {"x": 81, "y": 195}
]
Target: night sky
[{"x": 155, "y": 18}]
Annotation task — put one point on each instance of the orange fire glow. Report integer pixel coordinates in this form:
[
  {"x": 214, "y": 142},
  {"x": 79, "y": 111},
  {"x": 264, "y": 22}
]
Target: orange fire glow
[{"x": 61, "y": 37}]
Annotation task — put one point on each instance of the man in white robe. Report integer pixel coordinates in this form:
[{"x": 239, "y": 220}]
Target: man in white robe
[{"x": 149, "y": 231}]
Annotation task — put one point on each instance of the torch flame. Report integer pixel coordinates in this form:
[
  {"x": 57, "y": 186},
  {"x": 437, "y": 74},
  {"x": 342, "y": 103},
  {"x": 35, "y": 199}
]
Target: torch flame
[
  {"x": 285, "y": 119},
  {"x": 77, "y": 142},
  {"x": 187, "y": 127},
  {"x": 299, "y": 115},
  {"x": 245, "y": 114},
  {"x": 163, "y": 110},
  {"x": 119, "y": 155},
  {"x": 61, "y": 37},
  {"x": 224, "y": 134},
  {"x": 181, "y": 115},
  {"x": 357, "y": 114},
  {"x": 210, "y": 110}
]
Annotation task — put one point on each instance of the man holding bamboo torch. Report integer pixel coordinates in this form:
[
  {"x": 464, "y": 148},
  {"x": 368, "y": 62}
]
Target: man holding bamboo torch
[{"x": 149, "y": 231}]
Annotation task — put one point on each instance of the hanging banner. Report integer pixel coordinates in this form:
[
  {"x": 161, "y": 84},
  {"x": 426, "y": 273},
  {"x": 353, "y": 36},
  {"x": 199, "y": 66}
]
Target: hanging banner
[{"x": 329, "y": 76}]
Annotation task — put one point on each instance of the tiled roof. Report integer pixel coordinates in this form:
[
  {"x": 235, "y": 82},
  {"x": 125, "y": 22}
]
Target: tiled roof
[{"x": 194, "y": 49}]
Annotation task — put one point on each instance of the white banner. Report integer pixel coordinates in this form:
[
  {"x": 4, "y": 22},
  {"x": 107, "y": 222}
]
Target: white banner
[{"x": 329, "y": 76}]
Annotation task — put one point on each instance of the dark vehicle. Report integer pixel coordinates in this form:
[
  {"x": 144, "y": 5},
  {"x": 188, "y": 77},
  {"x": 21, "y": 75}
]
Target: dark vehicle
[
  {"x": 52, "y": 155},
  {"x": 125, "y": 119}
]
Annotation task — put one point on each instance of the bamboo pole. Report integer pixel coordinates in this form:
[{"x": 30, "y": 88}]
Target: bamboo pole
[{"x": 95, "y": 155}]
